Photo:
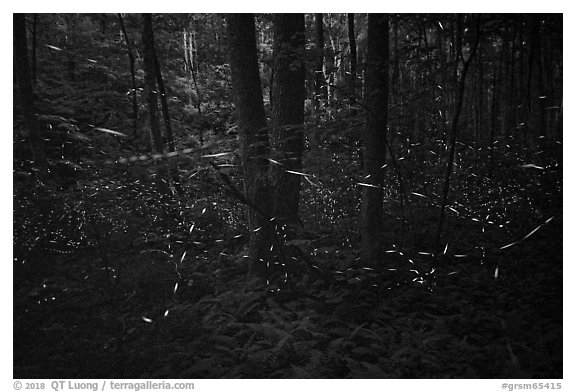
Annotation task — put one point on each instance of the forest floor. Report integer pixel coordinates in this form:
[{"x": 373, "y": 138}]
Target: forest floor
[{"x": 113, "y": 279}]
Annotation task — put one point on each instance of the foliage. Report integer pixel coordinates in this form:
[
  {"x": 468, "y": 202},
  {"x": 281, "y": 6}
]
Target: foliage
[{"x": 118, "y": 274}]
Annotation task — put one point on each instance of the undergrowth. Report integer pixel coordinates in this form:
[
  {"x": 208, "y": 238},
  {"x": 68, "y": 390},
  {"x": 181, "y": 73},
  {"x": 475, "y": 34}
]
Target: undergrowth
[{"x": 115, "y": 278}]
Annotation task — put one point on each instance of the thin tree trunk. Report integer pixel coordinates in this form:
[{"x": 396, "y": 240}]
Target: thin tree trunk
[
  {"x": 537, "y": 104},
  {"x": 453, "y": 82},
  {"x": 194, "y": 70},
  {"x": 132, "y": 60},
  {"x": 26, "y": 92},
  {"x": 524, "y": 87},
  {"x": 253, "y": 133},
  {"x": 461, "y": 84},
  {"x": 499, "y": 99},
  {"x": 395, "y": 81},
  {"x": 512, "y": 93},
  {"x": 493, "y": 121},
  {"x": 353, "y": 61},
  {"x": 442, "y": 57},
  {"x": 319, "y": 78},
  {"x": 185, "y": 47},
  {"x": 217, "y": 40},
  {"x": 163, "y": 101},
  {"x": 504, "y": 78},
  {"x": 320, "y": 87},
  {"x": 377, "y": 88},
  {"x": 288, "y": 115},
  {"x": 150, "y": 84},
  {"x": 166, "y": 115},
  {"x": 34, "y": 47},
  {"x": 354, "y": 81},
  {"x": 330, "y": 61},
  {"x": 480, "y": 99}
]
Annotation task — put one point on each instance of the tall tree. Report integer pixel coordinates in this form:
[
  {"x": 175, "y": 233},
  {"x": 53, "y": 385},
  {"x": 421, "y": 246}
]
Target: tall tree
[
  {"x": 191, "y": 64},
  {"x": 163, "y": 100},
  {"x": 537, "y": 99},
  {"x": 377, "y": 86},
  {"x": 503, "y": 74},
  {"x": 255, "y": 147},
  {"x": 461, "y": 66},
  {"x": 478, "y": 102},
  {"x": 150, "y": 84},
  {"x": 34, "y": 47},
  {"x": 131, "y": 59},
  {"x": 319, "y": 78},
  {"x": 165, "y": 111},
  {"x": 353, "y": 59},
  {"x": 288, "y": 115},
  {"x": 26, "y": 92},
  {"x": 499, "y": 98}
]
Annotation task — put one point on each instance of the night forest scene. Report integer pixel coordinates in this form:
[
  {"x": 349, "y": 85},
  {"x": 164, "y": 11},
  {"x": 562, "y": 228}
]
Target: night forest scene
[{"x": 325, "y": 195}]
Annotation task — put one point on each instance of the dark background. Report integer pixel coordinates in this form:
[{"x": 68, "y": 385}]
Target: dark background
[{"x": 130, "y": 265}]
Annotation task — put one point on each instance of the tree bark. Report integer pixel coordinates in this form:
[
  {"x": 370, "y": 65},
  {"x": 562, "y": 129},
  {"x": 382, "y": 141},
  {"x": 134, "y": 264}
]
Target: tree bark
[
  {"x": 319, "y": 78},
  {"x": 130, "y": 53},
  {"x": 499, "y": 98},
  {"x": 479, "y": 102},
  {"x": 377, "y": 87},
  {"x": 150, "y": 84},
  {"x": 26, "y": 92},
  {"x": 163, "y": 100},
  {"x": 512, "y": 83},
  {"x": 460, "y": 84},
  {"x": 253, "y": 133},
  {"x": 538, "y": 99},
  {"x": 523, "y": 103},
  {"x": 165, "y": 115},
  {"x": 193, "y": 67},
  {"x": 504, "y": 78},
  {"x": 288, "y": 115},
  {"x": 353, "y": 61},
  {"x": 34, "y": 48}
]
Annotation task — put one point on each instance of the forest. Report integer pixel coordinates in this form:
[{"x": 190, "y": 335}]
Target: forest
[{"x": 208, "y": 196}]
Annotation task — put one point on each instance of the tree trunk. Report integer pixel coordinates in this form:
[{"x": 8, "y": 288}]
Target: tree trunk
[
  {"x": 493, "y": 111},
  {"x": 150, "y": 84},
  {"x": 512, "y": 83},
  {"x": 460, "y": 84},
  {"x": 193, "y": 71},
  {"x": 166, "y": 116},
  {"x": 523, "y": 87},
  {"x": 537, "y": 98},
  {"x": 319, "y": 78},
  {"x": 377, "y": 86},
  {"x": 479, "y": 104},
  {"x": 499, "y": 98},
  {"x": 134, "y": 94},
  {"x": 288, "y": 115},
  {"x": 353, "y": 61},
  {"x": 253, "y": 133},
  {"x": 504, "y": 78},
  {"x": 22, "y": 72},
  {"x": 34, "y": 47},
  {"x": 163, "y": 100}
]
